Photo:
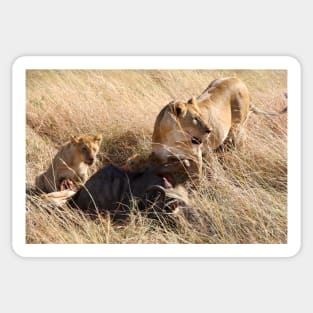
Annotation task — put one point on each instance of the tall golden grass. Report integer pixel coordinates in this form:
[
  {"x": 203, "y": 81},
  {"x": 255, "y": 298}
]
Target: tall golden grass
[{"x": 245, "y": 199}]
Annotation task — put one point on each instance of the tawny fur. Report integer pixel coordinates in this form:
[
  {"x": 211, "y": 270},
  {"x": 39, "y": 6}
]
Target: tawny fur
[
  {"x": 225, "y": 105},
  {"x": 176, "y": 127},
  {"x": 71, "y": 164}
]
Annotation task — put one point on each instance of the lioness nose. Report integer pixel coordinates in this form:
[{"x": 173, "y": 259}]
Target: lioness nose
[{"x": 91, "y": 160}]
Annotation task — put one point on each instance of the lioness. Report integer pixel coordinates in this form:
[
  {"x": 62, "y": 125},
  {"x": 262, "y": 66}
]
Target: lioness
[
  {"x": 70, "y": 165},
  {"x": 179, "y": 131},
  {"x": 215, "y": 117}
]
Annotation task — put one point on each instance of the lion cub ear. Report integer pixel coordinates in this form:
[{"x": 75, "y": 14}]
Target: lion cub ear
[
  {"x": 75, "y": 139},
  {"x": 179, "y": 108},
  {"x": 98, "y": 138},
  {"x": 192, "y": 101}
]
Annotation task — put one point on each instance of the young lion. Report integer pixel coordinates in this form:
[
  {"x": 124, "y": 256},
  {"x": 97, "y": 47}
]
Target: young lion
[{"x": 69, "y": 168}]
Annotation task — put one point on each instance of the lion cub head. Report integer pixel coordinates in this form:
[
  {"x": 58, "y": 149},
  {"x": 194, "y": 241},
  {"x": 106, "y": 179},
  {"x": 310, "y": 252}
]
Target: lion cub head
[
  {"x": 70, "y": 166},
  {"x": 86, "y": 148}
]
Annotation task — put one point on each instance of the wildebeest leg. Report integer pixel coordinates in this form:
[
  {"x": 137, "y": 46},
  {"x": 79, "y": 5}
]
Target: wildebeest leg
[{"x": 59, "y": 197}]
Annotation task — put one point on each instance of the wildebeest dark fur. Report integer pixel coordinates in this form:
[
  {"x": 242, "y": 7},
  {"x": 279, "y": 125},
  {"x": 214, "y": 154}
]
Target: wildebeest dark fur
[{"x": 111, "y": 190}]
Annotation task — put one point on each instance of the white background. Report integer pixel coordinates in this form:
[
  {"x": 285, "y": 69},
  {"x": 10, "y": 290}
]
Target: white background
[{"x": 155, "y": 28}]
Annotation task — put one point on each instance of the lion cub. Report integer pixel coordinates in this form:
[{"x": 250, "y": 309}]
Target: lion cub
[{"x": 70, "y": 166}]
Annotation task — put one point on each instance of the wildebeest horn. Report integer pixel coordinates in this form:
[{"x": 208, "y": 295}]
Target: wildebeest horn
[{"x": 158, "y": 190}]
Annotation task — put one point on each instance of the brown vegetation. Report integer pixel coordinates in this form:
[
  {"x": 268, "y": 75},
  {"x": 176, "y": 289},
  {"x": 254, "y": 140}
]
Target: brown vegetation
[{"x": 242, "y": 197}]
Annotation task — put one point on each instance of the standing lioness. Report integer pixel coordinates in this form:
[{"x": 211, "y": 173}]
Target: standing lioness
[{"x": 70, "y": 165}]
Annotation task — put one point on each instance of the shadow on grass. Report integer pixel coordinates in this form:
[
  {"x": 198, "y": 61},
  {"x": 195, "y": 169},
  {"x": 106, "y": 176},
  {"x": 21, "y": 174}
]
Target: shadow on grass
[{"x": 118, "y": 148}]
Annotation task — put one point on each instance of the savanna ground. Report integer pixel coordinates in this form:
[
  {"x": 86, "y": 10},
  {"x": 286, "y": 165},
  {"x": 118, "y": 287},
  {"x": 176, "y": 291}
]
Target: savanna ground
[{"x": 244, "y": 200}]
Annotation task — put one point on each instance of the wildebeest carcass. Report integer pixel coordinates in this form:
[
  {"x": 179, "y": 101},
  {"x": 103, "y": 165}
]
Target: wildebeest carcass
[{"x": 114, "y": 191}]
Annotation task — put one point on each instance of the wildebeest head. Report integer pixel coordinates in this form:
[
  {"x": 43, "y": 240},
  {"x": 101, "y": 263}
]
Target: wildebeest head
[{"x": 170, "y": 206}]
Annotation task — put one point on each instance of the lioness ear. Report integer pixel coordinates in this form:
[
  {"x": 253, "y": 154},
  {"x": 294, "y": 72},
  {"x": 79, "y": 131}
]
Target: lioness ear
[
  {"x": 179, "y": 108},
  {"x": 74, "y": 139},
  {"x": 192, "y": 101},
  {"x": 98, "y": 137}
]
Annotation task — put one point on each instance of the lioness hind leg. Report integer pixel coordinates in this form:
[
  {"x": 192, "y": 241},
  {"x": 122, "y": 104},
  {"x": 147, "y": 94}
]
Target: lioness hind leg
[
  {"x": 241, "y": 139},
  {"x": 236, "y": 137}
]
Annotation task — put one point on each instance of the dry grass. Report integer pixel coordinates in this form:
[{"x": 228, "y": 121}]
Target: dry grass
[{"x": 245, "y": 199}]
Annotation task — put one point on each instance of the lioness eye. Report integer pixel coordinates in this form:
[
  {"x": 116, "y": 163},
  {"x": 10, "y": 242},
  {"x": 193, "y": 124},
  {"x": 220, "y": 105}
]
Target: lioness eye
[
  {"x": 84, "y": 149},
  {"x": 195, "y": 120}
]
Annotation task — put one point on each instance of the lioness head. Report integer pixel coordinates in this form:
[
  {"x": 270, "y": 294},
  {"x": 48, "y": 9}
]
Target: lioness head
[
  {"x": 86, "y": 147},
  {"x": 190, "y": 121}
]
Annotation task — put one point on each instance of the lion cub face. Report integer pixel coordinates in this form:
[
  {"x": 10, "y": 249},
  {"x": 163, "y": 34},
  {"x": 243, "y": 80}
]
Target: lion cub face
[{"x": 86, "y": 148}]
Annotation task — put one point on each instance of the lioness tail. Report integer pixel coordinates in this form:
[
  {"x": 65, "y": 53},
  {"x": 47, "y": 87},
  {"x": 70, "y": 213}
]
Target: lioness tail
[{"x": 260, "y": 112}]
